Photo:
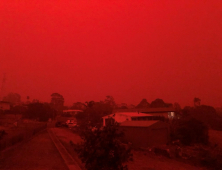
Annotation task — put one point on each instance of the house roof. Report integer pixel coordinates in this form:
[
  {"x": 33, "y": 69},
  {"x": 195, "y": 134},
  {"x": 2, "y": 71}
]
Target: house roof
[
  {"x": 134, "y": 114},
  {"x": 72, "y": 110},
  {"x": 130, "y": 114},
  {"x": 139, "y": 123}
]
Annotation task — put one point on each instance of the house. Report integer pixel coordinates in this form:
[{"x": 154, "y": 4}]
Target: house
[
  {"x": 145, "y": 133},
  {"x": 166, "y": 112},
  {"x": 4, "y": 105},
  {"x": 120, "y": 117}
]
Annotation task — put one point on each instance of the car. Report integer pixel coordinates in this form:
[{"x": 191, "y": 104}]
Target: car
[
  {"x": 71, "y": 123},
  {"x": 61, "y": 124}
]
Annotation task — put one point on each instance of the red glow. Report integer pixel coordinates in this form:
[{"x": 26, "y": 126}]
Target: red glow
[{"x": 131, "y": 50}]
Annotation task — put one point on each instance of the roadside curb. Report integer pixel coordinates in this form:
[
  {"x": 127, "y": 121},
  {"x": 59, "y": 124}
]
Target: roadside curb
[{"x": 69, "y": 161}]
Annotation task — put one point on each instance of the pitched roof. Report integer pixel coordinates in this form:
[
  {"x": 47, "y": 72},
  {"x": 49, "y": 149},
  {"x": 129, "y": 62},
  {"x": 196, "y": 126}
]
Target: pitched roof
[
  {"x": 139, "y": 123},
  {"x": 70, "y": 110},
  {"x": 130, "y": 114},
  {"x": 134, "y": 114}
]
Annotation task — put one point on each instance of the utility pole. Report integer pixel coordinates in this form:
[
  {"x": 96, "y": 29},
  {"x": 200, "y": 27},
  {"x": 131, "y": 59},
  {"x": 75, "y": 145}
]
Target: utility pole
[{"x": 3, "y": 86}]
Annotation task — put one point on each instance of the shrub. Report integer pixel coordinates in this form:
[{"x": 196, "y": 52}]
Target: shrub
[
  {"x": 102, "y": 149},
  {"x": 190, "y": 131}
]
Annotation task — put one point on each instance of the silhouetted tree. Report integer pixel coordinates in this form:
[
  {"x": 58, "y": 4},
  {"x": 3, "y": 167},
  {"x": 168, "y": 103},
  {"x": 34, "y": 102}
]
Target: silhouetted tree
[
  {"x": 143, "y": 104},
  {"x": 110, "y": 101},
  {"x": 158, "y": 103},
  {"x": 189, "y": 131},
  {"x": 90, "y": 104},
  {"x": 204, "y": 113},
  {"x": 94, "y": 111},
  {"x": 78, "y": 106},
  {"x": 39, "y": 111}
]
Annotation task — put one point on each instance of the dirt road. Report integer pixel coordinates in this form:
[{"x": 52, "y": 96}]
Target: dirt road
[{"x": 38, "y": 153}]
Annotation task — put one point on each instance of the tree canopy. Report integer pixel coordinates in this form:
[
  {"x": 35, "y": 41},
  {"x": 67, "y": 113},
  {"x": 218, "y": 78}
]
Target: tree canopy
[
  {"x": 160, "y": 103},
  {"x": 39, "y": 111},
  {"x": 204, "y": 113},
  {"x": 189, "y": 131},
  {"x": 94, "y": 111},
  {"x": 143, "y": 104}
]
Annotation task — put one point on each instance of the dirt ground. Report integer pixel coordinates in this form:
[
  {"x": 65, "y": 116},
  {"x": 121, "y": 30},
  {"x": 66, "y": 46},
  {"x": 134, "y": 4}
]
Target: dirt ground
[
  {"x": 39, "y": 153},
  {"x": 142, "y": 160},
  {"x": 215, "y": 137},
  {"x": 148, "y": 161}
]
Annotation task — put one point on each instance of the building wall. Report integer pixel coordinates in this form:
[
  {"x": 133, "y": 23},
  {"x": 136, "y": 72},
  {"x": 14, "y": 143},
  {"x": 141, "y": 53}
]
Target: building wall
[
  {"x": 121, "y": 118},
  {"x": 145, "y": 136},
  {"x": 165, "y": 114}
]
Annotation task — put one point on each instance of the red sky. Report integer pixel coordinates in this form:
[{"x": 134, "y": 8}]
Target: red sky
[{"x": 87, "y": 49}]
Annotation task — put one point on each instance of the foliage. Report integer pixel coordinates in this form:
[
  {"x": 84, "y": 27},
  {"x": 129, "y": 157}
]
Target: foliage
[
  {"x": 13, "y": 98},
  {"x": 102, "y": 149},
  {"x": 19, "y": 109},
  {"x": 160, "y": 103},
  {"x": 110, "y": 102},
  {"x": 39, "y": 111},
  {"x": 206, "y": 114},
  {"x": 189, "y": 131},
  {"x": 78, "y": 106},
  {"x": 94, "y": 111},
  {"x": 178, "y": 110},
  {"x": 143, "y": 104}
]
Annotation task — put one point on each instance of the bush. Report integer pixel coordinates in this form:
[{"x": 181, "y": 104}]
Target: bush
[
  {"x": 102, "y": 149},
  {"x": 39, "y": 111},
  {"x": 190, "y": 131}
]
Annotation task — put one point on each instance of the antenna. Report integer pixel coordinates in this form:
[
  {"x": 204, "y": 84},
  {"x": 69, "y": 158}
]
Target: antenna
[{"x": 3, "y": 86}]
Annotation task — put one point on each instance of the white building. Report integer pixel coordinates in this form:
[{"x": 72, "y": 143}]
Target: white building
[{"x": 120, "y": 117}]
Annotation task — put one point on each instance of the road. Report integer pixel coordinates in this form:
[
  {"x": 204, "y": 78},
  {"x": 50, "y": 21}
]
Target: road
[{"x": 39, "y": 153}]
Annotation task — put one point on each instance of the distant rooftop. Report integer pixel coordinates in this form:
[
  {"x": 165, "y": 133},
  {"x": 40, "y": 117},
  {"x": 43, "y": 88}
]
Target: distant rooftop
[
  {"x": 130, "y": 114},
  {"x": 72, "y": 110},
  {"x": 139, "y": 123}
]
